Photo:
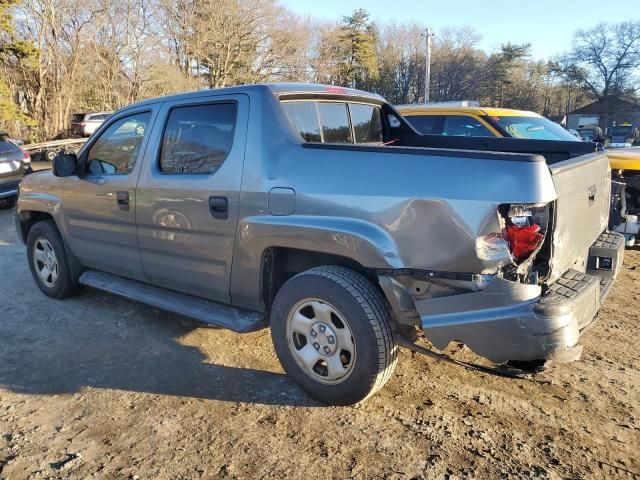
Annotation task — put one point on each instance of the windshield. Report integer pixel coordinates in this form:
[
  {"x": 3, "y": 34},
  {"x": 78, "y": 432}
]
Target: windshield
[
  {"x": 621, "y": 130},
  {"x": 536, "y": 128}
]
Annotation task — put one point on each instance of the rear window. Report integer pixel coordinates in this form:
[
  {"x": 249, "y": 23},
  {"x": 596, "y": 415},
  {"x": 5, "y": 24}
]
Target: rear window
[
  {"x": 304, "y": 117},
  {"x": 367, "y": 123},
  {"x": 335, "y": 122},
  {"x": 7, "y": 147}
]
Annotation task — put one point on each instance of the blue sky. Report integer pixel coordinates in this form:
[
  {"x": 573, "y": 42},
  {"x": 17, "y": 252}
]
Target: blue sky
[{"x": 548, "y": 25}]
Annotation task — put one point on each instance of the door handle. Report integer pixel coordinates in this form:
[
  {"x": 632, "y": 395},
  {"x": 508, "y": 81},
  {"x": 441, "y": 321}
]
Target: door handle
[
  {"x": 123, "y": 200},
  {"x": 219, "y": 207}
]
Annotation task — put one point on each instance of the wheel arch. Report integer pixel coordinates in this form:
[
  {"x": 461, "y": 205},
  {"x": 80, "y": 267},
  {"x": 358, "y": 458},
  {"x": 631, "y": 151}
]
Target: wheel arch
[{"x": 303, "y": 242}]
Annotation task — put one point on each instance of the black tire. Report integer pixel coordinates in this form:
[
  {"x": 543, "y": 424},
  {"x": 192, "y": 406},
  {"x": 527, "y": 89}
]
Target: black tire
[
  {"x": 367, "y": 313},
  {"x": 7, "y": 202},
  {"x": 64, "y": 285}
]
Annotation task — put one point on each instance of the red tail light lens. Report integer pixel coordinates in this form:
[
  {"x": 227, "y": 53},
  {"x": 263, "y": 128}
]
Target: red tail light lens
[
  {"x": 26, "y": 157},
  {"x": 523, "y": 241}
]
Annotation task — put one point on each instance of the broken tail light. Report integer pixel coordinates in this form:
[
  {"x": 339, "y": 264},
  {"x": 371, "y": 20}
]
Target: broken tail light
[
  {"x": 522, "y": 233},
  {"x": 525, "y": 229},
  {"x": 524, "y": 240}
]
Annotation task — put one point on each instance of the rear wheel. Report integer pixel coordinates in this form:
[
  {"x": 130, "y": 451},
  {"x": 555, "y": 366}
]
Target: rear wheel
[
  {"x": 330, "y": 329},
  {"x": 48, "y": 261}
]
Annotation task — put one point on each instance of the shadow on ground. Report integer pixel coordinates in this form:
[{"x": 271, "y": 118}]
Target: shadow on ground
[{"x": 102, "y": 341}]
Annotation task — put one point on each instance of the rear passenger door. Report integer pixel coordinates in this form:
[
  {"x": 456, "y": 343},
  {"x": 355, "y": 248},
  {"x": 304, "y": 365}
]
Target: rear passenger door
[{"x": 188, "y": 195}]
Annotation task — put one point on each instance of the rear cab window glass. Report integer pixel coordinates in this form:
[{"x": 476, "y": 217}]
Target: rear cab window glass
[
  {"x": 304, "y": 117},
  {"x": 198, "y": 138},
  {"x": 116, "y": 151},
  {"x": 335, "y": 122},
  {"x": 367, "y": 123}
]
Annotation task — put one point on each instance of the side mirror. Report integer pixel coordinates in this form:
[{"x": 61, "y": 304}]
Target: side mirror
[{"x": 65, "y": 164}]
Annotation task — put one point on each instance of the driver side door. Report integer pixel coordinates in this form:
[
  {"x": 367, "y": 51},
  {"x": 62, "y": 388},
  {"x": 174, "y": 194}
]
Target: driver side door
[{"x": 99, "y": 207}]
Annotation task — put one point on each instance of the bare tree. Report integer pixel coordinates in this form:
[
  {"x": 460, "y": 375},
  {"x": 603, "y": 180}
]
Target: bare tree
[{"x": 606, "y": 58}]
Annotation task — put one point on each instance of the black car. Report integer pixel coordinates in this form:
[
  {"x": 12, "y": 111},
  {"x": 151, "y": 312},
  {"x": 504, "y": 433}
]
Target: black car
[{"x": 14, "y": 164}]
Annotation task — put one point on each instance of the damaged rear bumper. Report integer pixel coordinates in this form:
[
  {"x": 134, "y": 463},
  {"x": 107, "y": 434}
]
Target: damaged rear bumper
[{"x": 514, "y": 321}]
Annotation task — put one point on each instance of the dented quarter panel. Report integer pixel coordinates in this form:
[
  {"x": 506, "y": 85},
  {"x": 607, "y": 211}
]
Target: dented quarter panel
[{"x": 383, "y": 207}]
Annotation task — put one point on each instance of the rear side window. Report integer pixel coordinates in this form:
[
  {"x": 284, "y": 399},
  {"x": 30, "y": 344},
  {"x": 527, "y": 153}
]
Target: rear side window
[
  {"x": 116, "y": 150},
  {"x": 367, "y": 123},
  {"x": 77, "y": 118},
  {"x": 198, "y": 138},
  {"x": 426, "y": 124},
  {"x": 334, "y": 121},
  {"x": 7, "y": 147}
]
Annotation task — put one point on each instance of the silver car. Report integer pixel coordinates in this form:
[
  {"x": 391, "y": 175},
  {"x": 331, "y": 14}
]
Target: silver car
[
  {"x": 14, "y": 164},
  {"x": 84, "y": 124}
]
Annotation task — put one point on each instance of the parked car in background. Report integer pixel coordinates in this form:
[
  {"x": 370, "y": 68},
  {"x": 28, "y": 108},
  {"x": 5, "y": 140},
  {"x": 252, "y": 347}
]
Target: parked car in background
[
  {"x": 591, "y": 133},
  {"x": 318, "y": 211},
  {"x": 432, "y": 119},
  {"x": 14, "y": 164},
  {"x": 84, "y": 124},
  {"x": 622, "y": 136}
]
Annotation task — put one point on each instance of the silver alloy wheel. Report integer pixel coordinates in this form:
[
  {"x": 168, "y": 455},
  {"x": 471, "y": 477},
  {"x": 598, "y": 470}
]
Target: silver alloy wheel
[
  {"x": 321, "y": 341},
  {"x": 45, "y": 262}
]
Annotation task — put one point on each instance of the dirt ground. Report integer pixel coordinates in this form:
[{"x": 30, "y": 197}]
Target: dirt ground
[{"x": 100, "y": 387}]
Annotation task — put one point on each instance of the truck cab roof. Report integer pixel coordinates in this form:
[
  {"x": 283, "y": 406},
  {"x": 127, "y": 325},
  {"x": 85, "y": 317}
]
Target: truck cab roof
[{"x": 277, "y": 89}]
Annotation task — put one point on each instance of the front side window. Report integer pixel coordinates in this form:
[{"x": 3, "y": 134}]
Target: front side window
[
  {"x": 115, "y": 152},
  {"x": 198, "y": 138},
  {"x": 464, "y": 126},
  {"x": 367, "y": 123}
]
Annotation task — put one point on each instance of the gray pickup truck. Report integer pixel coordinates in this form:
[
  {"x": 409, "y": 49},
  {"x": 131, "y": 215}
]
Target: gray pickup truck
[{"x": 320, "y": 212}]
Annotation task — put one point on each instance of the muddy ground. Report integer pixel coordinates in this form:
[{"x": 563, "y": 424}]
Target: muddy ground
[{"x": 101, "y": 387}]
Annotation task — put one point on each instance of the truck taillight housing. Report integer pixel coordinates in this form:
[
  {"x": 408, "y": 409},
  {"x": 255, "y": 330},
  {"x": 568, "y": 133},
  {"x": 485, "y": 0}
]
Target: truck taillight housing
[
  {"x": 525, "y": 229},
  {"x": 519, "y": 235},
  {"x": 523, "y": 241}
]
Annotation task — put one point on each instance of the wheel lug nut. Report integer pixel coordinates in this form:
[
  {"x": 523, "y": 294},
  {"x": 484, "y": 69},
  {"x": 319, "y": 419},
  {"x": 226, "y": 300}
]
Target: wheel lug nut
[
  {"x": 316, "y": 345},
  {"x": 322, "y": 328},
  {"x": 314, "y": 333},
  {"x": 330, "y": 339},
  {"x": 327, "y": 350}
]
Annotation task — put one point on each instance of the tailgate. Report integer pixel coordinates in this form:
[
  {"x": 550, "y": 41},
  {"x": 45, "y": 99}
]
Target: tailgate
[{"x": 583, "y": 186}]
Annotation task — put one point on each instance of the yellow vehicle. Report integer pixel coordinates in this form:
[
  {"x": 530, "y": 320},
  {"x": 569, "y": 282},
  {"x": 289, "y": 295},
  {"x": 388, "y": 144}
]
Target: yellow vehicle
[
  {"x": 507, "y": 123},
  {"x": 501, "y": 122},
  {"x": 483, "y": 122}
]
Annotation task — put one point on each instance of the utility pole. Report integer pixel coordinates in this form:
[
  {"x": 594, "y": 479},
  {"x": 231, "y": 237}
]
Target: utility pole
[{"x": 427, "y": 72}]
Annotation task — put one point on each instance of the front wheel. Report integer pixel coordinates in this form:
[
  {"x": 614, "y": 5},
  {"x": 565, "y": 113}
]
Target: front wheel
[
  {"x": 330, "y": 329},
  {"x": 48, "y": 260}
]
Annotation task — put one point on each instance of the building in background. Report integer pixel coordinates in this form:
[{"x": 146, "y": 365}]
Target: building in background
[{"x": 604, "y": 113}]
